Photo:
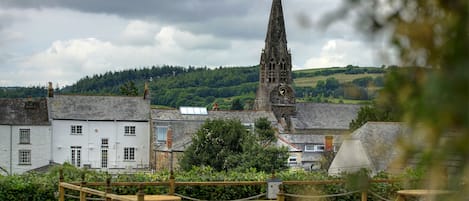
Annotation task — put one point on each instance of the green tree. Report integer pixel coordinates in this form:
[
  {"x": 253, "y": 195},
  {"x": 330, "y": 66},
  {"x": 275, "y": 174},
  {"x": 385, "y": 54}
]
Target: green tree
[
  {"x": 227, "y": 145},
  {"x": 213, "y": 143},
  {"x": 129, "y": 89},
  {"x": 236, "y": 104},
  {"x": 264, "y": 132}
]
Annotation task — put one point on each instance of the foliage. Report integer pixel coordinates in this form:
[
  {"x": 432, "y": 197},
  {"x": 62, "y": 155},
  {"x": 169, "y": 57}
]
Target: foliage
[
  {"x": 213, "y": 143},
  {"x": 430, "y": 34},
  {"x": 128, "y": 89},
  {"x": 264, "y": 132},
  {"x": 227, "y": 145},
  {"x": 23, "y": 92},
  {"x": 236, "y": 104}
]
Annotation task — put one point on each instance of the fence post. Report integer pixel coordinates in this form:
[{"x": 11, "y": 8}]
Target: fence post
[
  {"x": 364, "y": 195},
  {"x": 61, "y": 189},
  {"x": 172, "y": 183},
  {"x": 83, "y": 183},
  {"x": 140, "y": 193},
  {"x": 108, "y": 188},
  {"x": 281, "y": 194}
]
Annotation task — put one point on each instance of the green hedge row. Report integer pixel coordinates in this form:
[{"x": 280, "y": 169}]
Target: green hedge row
[{"x": 41, "y": 187}]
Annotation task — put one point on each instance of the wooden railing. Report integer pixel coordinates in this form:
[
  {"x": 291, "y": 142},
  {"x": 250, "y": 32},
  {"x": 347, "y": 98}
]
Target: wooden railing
[{"x": 82, "y": 187}]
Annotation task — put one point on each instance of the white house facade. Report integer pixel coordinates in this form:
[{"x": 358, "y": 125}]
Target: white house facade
[
  {"x": 26, "y": 135},
  {"x": 101, "y": 132}
]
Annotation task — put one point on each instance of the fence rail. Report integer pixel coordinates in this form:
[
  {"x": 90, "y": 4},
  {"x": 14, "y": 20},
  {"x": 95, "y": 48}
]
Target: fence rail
[{"x": 83, "y": 187}]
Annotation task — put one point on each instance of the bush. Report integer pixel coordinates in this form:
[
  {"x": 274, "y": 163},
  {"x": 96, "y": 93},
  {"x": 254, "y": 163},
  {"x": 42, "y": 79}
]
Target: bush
[{"x": 42, "y": 186}]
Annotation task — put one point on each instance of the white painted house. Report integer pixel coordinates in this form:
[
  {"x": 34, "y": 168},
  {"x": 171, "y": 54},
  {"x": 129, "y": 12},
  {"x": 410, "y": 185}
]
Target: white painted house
[
  {"x": 25, "y": 135},
  {"x": 100, "y": 132}
]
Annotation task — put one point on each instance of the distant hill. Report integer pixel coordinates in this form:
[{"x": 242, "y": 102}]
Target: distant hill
[{"x": 175, "y": 86}]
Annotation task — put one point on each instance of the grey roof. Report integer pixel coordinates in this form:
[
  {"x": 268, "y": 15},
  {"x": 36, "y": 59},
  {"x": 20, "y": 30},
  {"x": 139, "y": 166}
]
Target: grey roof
[
  {"x": 379, "y": 141},
  {"x": 307, "y": 138},
  {"x": 372, "y": 146},
  {"x": 80, "y": 107},
  {"x": 324, "y": 116},
  {"x": 24, "y": 111},
  {"x": 245, "y": 116}
]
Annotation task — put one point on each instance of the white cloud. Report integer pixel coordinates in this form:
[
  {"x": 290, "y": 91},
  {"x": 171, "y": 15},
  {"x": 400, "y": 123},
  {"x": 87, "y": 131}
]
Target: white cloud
[
  {"x": 139, "y": 32},
  {"x": 340, "y": 52}
]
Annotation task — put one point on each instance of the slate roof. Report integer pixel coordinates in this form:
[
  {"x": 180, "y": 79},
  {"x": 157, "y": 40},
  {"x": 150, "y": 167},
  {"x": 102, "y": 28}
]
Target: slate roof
[
  {"x": 245, "y": 116},
  {"x": 324, "y": 116},
  {"x": 379, "y": 141},
  {"x": 78, "y": 107},
  {"x": 371, "y": 146},
  {"x": 24, "y": 111}
]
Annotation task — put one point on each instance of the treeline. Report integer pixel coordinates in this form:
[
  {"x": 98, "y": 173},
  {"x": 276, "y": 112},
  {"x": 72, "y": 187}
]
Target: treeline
[
  {"x": 23, "y": 92},
  {"x": 206, "y": 86},
  {"x": 176, "y": 86}
]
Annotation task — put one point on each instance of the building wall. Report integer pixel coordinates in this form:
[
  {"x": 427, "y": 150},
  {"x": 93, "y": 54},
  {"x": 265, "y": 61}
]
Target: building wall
[
  {"x": 39, "y": 147},
  {"x": 90, "y": 141},
  {"x": 5, "y": 148}
]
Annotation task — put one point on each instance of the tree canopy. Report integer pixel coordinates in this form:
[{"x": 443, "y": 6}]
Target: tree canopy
[{"x": 228, "y": 145}]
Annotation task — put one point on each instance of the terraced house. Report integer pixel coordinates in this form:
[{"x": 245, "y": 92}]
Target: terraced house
[
  {"x": 100, "y": 132},
  {"x": 25, "y": 135}
]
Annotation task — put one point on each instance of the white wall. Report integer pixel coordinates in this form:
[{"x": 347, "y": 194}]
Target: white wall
[
  {"x": 90, "y": 141},
  {"x": 40, "y": 138}
]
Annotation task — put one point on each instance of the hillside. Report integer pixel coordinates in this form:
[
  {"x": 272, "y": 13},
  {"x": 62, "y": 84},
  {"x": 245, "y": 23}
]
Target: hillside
[{"x": 176, "y": 86}]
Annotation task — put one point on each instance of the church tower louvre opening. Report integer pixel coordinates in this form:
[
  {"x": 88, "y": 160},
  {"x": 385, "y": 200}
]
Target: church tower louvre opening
[{"x": 275, "y": 91}]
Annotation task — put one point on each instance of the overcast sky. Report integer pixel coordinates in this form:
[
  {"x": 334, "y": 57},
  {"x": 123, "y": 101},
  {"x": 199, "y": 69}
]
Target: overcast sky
[{"x": 64, "y": 40}]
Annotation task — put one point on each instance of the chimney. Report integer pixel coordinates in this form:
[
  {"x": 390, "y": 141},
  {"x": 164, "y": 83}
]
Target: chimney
[
  {"x": 169, "y": 138},
  {"x": 50, "y": 90},
  {"x": 146, "y": 92},
  {"x": 215, "y": 107}
]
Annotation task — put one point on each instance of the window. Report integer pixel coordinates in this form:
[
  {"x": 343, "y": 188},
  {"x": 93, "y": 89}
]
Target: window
[
  {"x": 76, "y": 155},
  {"x": 292, "y": 160},
  {"x": 25, "y": 136},
  {"x": 314, "y": 148},
  {"x": 129, "y": 130},
  {"x": 24, "y": 157},
  {"x": 104, "y": 143},
  {"x": 129, "y": 153},
  {"x": 76, "y": 129},
  {"x": 161, "y": 133},
  {"x": 104, "y": 158}
]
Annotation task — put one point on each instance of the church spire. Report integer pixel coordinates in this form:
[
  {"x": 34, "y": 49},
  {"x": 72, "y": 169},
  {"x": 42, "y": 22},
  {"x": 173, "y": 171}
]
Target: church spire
[
  {"x": 276, "y": 33},
  {"x": 275, "y": 91}
]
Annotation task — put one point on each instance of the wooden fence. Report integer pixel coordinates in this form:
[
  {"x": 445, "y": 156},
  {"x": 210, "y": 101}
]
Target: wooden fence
[{"x": 83, "y": 187}]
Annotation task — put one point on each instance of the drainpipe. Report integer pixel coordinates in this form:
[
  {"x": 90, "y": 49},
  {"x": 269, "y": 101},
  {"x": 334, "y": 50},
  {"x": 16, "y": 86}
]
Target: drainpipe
[{"x": 11, "y": 149}]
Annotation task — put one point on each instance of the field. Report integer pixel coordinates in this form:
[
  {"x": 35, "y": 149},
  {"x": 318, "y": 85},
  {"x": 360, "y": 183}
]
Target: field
[{"x": 343, "y": 78}]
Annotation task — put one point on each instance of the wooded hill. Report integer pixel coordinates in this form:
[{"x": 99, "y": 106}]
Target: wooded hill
[{"x": 175, "y": 86}]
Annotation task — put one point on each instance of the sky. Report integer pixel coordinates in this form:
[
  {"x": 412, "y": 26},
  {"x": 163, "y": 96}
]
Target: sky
[{"x": 64, "y": 40}]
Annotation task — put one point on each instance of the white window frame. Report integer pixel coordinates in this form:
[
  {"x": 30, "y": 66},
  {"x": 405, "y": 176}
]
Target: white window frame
[
  {"x": 105, "y": 143},
  {"x": 104, "y": 158},
  {"x": 76, "y": 129},
  {"x": 25, "y": 136},
  {"x": 75, "y": 152},
  {"x": 292, "y": 160},
  {"x": 129, "y": 153},
  {"x": 164, "y": 135},
  {"x": 314, "y": 148},
  {"x": 129, "y": 130},
  {"x": 24, "y": 157}
]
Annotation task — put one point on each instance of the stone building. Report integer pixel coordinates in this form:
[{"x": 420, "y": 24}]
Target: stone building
[{"x": 173, "y": 129}]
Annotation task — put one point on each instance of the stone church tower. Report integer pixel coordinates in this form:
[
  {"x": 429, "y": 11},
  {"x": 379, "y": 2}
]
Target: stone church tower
[{"x": 275, "y": 91}]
